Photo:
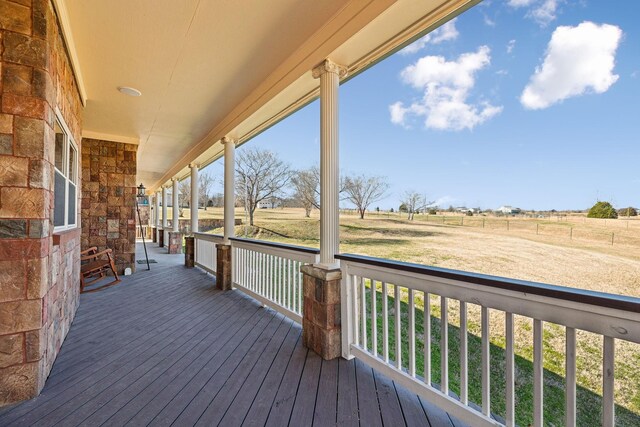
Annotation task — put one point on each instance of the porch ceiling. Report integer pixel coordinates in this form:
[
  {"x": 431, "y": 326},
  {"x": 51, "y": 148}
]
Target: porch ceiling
[{"x": 210, "y": 68}]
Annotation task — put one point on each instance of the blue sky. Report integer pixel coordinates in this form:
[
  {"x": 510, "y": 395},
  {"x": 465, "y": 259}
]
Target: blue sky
[{"x": 530, "y": 103}]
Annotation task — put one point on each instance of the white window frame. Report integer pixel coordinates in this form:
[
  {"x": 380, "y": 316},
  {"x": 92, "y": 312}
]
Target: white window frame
[{"x": 69, "y": 142}]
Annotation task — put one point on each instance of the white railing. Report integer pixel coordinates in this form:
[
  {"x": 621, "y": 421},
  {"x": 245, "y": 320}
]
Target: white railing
[
  {"x": 371, "y": 327},
  {"x": 270, "y": 273},
  {"x": 146, "y": 230},
  {"x": 205, "y": 255}
]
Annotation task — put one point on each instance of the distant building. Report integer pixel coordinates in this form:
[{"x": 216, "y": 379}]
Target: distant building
[
  {"x": 508, "y": 210},
  {"x": 269, "y": 204},
  {"x": 464, "y": 209}
]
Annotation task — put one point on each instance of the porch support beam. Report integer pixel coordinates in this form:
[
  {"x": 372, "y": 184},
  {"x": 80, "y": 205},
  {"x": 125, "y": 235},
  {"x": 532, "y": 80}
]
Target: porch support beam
[
  {"x": 164, "y": 207},
  {"x": 162, "y": 236},
  {"x": 194, "y": 197},
  {"x": 329, "y": 74},
  {"x": 156, "y": 215},
  {"x": 229, "y": 188},
  {"x": 175, "y": 217},
  {"x": 156, "y": 207}
]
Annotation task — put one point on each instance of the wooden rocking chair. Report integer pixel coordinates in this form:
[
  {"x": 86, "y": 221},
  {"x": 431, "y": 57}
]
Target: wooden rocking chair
[{"x": 94, "y": 267}]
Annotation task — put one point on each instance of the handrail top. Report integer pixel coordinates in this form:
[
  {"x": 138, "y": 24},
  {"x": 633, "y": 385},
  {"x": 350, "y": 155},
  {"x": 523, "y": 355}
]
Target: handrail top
[
  {"x": 286, "y": 246},
  {"x": 601, "y": 299},
  {"x": 199, "y": 233}
]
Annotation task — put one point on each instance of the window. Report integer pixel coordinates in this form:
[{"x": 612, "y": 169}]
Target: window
[{"x": 66, "y": 179}]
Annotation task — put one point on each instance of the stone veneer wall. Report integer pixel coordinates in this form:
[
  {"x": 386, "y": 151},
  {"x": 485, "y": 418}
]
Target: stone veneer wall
[
  {"x": 109, "y": 198},
  {"x": 39, "y": 271}
]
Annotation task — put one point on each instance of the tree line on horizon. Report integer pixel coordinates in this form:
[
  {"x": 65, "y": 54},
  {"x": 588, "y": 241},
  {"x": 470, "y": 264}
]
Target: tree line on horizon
[{"x": 262, "y": 177}]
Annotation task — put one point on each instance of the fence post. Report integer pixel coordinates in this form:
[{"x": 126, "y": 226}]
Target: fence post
[
  {"x": 507, "y": 225},
  {"x": 482, "y": 222},
  {"x": 537, "y": 225}
]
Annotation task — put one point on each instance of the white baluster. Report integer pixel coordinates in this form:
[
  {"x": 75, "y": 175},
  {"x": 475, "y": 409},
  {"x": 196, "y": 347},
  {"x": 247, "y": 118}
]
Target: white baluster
[
  {"x": 464, "y": 374},
  {"x": 396, "y": 294},
  {"x": 570, "y": 392},
  {"x": 374, "y": 319},
  {"x": 427, "y": 338},
  {"x": 486, "y": 363},
  {"x": 363, "y": 312},
  {"x": 538, "y": 373},
  {"x": 412, "y": 334},
  {"x": 510, "y": 368},
  {"x": 608, "y": 368},
  {"x": 385, "y": 323},
  {"x": 444, "y": 345}
]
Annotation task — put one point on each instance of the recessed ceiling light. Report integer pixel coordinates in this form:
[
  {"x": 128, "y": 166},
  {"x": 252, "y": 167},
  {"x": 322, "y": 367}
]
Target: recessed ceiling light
[{"x": 129, "y": 91}]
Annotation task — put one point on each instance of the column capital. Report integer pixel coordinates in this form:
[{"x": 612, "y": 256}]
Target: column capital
[
  {"x": 194, "y": 165},
  {"x": 174, "y": 179},
  {"x": 228, "y": 139},
  {"x": 328, "y": 66}
]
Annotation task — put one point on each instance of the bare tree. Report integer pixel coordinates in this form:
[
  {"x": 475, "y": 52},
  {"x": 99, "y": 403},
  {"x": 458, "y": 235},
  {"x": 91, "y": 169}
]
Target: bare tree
[
  {"x": 306, "y": 184},
  {"x": 260, "y": 175},
  {"x": 205, "y": 184},
  {"x": 415, "y": 202},
  {"x": 362, "y": 191},
  {"x": 184, "y": 195}
]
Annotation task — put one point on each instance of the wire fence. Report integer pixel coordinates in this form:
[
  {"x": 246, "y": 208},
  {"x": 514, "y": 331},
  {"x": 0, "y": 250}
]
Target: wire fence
[
  {"x": 612, "y": 231},
  {"x": 545, "y": 228}
]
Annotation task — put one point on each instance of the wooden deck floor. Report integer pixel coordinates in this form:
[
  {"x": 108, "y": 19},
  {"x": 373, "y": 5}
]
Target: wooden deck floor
[{"x": 166, "y": 348}]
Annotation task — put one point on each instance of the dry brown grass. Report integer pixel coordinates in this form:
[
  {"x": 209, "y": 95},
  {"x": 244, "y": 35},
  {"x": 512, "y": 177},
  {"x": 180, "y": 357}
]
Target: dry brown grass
[{"x": 548, "y": 256}]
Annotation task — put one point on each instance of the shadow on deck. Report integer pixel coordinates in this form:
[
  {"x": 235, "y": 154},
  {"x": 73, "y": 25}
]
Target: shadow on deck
[{"x": 164, "y": 347}]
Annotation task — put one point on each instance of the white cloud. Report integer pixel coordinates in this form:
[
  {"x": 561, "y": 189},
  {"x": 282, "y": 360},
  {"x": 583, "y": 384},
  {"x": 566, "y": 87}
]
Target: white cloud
[
  {"x": 541, "y": 11},
  {"x": 446, "y": 32},
  {"x": 446, "y": 86},
  {"x": 520, "y": 3},
  {"x": 488, "y": 21},
  {"x": 397, "y": 113},
  {"x": 544, "y": 13},
  {"x": 511, "y": 45},
  {"x": 578, "y": 60}
]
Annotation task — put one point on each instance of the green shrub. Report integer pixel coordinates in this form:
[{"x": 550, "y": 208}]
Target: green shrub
[{"x": 602, "y": 210}]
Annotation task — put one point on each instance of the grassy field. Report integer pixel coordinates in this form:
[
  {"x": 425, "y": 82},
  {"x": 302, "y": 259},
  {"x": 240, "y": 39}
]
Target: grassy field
[{"x": 569, "y": 252}]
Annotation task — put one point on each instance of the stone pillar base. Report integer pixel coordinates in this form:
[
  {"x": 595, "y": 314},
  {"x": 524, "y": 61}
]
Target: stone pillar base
[
  {"x": 189, "y": 252},
  {"x": 154, "y": 235},
  {"x": 321, "y": 325},
  {"x": 160, "y": 238},
  {"x": 175, "y": 242},
  {"x": 223, "y": 267}
]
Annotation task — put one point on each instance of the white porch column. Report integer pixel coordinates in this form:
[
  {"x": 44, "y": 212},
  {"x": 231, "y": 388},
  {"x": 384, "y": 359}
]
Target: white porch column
[
  {"x": 156, "y": 208},
  {"x": 164, "y": 207},
  {"x": 194, "y": 197},
  {"x": 175, "y": 217},
  {"x": 229, "y": 188},
  {"x": 329, "y": 73}
]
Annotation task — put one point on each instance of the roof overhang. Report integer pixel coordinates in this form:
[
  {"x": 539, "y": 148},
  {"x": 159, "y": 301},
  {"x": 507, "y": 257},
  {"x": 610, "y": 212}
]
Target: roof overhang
[{"x": 209, "y": 69}]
